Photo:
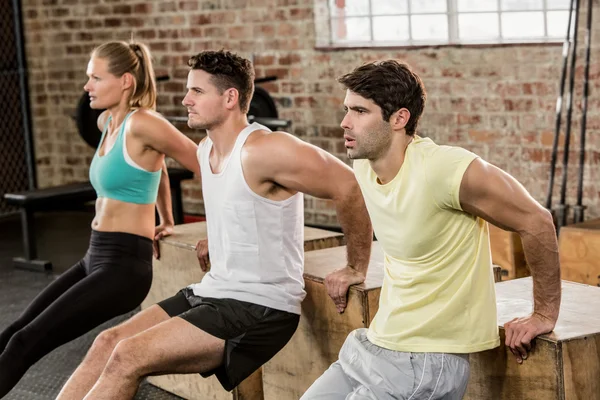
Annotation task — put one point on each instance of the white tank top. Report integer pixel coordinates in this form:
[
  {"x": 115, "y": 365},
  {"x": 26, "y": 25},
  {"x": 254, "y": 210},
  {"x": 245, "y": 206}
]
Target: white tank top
[{"x": 256, "y": 245}]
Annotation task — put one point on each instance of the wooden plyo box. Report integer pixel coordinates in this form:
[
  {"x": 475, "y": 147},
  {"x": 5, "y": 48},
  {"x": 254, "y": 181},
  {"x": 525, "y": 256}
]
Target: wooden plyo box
[
  {"x": 564, "y": 365},
  {"x": 579, "y": 252},
  {"x": 507, "y": 252},
  {"x": 322, "y": 330},
  {"x": 177, "y": 268}
]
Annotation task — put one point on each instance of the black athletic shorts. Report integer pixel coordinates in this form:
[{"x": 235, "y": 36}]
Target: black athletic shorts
[{"x": 253, "y": 334}]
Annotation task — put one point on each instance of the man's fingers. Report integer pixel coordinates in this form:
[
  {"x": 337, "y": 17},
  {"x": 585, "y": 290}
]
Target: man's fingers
[
  {"x": 333, "y": 292},
  {"x": 206, "y": 262},
  {"x": 512, "y": 344},
  {"x": 517, "y": 355},
  {"x": 526, "y": 341},
  {"x": 520, "y": 335},
  {"x": 513, "y": 340},
  {"x": 342, "y": 296},
  {"x": 337, "y": 291},
  {"x": 337, "y": 284},
  {"x": 518, "y": 339},
  {"x": 519, "y": 344},
  {"x": 199, "y": 259},
  {"x": 510, "y": 332},
  {"x": 202, "y": 257},
  {"x": 521, "y": 351},
  {"x": 202, "y": 254}
]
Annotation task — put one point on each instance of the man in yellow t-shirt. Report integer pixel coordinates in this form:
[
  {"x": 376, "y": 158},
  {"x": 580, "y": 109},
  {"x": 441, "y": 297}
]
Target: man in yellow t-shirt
[{"x": 429, "y": 205}]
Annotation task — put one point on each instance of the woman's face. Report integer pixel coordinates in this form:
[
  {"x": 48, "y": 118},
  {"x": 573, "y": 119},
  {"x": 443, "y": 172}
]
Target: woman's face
[{"x": 105, "y": 89}]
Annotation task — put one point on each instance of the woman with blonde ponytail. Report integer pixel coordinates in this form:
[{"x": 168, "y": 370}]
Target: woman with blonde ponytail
[{"x": 129, "y": 175}]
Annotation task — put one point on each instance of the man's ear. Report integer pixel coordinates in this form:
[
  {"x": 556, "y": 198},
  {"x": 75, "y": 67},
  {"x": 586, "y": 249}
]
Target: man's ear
[
  {"x": 232, "y": 98},
  {"x": 400, "y": 119}
]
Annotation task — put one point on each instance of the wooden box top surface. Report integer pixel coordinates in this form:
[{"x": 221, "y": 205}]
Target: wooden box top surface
[
  {"x": 593, "y": 224},
  {"x": 319, "y": 263},
  {"x": 187, "y": 235},
  {"x": 579, "y": 311}
]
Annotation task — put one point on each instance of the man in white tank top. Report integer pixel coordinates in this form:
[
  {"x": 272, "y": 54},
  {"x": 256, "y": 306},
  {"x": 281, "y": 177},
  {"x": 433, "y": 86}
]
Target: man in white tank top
[{"x": 247, "y": 306}]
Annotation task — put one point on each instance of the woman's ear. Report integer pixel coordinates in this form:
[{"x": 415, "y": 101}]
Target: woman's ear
[{"x": 127, "y": 81}]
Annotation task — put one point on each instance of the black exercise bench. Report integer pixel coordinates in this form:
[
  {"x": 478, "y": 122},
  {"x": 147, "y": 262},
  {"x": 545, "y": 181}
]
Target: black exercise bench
[{"x": 71, "y": 196}]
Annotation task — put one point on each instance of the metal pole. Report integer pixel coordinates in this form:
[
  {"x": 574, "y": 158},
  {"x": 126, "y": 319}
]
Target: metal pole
[
  {"x": 561, "y": 90},
  {"x": 578, "y": 209},
  {"x": 561, "y": 219}
]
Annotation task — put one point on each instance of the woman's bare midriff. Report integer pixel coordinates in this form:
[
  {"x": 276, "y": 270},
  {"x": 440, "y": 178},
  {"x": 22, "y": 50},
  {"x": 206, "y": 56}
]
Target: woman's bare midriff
[{"x": 118, "y": 216}]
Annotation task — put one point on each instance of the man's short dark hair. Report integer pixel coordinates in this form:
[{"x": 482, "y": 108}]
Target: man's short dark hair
[
  {"x": 228, "y": 70},
  {"x": 392, "y": 85}
]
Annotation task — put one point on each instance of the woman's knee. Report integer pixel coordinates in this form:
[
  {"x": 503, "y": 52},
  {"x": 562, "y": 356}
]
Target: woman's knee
[
  {"x": 18, "y": 341},
  {"x": 22, "y": 347}
]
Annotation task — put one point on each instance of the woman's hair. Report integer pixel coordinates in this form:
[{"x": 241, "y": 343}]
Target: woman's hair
[{"x": 135, "y": 59}]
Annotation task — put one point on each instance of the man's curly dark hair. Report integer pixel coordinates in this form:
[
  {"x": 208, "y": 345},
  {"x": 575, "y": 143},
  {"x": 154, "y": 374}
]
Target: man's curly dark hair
[{"x": 228, "y": 70}]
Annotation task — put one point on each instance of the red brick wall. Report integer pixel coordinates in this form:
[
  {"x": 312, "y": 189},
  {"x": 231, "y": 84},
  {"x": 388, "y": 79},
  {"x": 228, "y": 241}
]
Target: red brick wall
[{"x": 496, "y": 101}]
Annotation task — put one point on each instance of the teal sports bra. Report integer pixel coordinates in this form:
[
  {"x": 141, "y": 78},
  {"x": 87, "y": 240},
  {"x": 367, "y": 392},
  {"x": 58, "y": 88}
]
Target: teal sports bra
[{"x": 116, "y": 176}]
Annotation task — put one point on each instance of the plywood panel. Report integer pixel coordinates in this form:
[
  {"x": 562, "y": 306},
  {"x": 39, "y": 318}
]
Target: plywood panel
[
  {"x": 495, "y": 374},
  {"x": 194, "y": 387},
  {"x": 579, "y": 251},
  {"x": 564, "y": 364},
  {"x": 507, "y": 252},
  {"x": 581, "y": 360}
]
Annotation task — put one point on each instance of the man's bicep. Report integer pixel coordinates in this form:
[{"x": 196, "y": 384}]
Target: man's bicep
[{"x": 308, "y": 169}]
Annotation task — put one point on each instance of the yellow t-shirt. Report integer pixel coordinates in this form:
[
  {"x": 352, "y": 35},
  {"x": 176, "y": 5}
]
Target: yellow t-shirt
[{"x": 438, "y": 290}]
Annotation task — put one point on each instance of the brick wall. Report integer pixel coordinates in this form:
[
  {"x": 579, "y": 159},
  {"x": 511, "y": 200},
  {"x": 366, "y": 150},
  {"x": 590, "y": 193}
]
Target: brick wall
[{"x": 496, "y": 101}]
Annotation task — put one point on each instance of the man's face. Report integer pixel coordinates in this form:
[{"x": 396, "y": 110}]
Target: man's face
[
  {"x": 366, "y": 134},
  {"x": 205, "y": 104}
]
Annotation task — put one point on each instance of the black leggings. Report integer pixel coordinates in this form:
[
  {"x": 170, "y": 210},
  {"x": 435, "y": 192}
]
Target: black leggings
[{"x": 112, "y": 279}]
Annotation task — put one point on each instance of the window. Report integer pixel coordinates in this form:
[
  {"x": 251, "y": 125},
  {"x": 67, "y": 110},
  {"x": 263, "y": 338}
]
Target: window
[{"x": 430, "y": 22}]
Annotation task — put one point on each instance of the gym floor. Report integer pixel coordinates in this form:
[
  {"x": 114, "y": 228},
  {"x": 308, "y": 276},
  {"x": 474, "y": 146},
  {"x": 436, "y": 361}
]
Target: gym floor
[{"x": 62, "y": 239}]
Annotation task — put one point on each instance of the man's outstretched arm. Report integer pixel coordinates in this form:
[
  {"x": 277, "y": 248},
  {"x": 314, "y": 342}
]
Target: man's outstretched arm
[{"x": 490, "y": 193}]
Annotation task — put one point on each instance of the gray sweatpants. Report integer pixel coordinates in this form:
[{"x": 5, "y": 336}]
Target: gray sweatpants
[{"x": 366, "y": 371}]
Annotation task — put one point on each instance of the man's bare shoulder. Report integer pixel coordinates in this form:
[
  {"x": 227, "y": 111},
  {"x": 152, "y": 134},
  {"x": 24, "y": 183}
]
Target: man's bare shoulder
[
  {"x": 262, "y": 140},
  {"x": 270, "y": 148},
  {"x": 263, "y": 137}
]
